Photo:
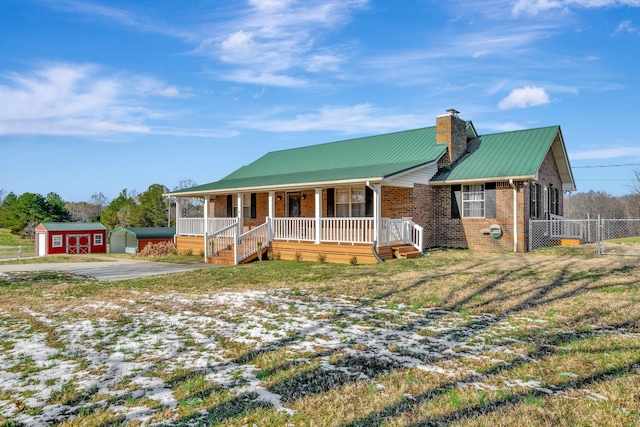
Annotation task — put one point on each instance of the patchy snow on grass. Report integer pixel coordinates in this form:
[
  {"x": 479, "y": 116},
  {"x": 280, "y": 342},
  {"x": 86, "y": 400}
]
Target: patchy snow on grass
[{"x": 135, "y": 357}]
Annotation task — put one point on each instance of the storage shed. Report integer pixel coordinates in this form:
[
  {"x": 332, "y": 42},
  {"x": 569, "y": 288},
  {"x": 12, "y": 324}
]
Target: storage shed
[
  {"x": 70, "y": 238},
  {"x": 134, "y": 239}
]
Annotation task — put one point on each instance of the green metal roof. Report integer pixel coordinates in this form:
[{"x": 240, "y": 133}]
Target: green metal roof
[
  {"x": 148, "y": 232},
  {"x": 73, "y": 226},
  {"x": 375, "y": 156},
  {"x": 502, "y": 155}
]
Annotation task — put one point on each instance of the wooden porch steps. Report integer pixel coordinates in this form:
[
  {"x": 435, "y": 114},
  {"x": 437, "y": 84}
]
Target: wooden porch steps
[
  {"x": 405, "y": 251},
  {"x": 225, "y": 257}
]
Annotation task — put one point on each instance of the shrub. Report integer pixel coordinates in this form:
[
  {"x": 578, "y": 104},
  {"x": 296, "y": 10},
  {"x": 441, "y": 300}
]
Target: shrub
[
  {"x": 297, "y": 256},
  {"x": 275, "y": 256},
  {"x": 321, "y": 258},
  {"x": 158, "y": 250},
  {"x": 353, "y": 260}
]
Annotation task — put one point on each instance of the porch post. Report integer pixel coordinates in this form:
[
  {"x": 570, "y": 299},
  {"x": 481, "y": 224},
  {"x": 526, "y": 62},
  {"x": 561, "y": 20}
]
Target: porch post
[
  {"x": 377, "y": 213},
  {"x": 318, "y": 215},
  {"x": 271, "y": 204},
  {"x": 206, "y": 224},
  {"x": 240, "y": 213},
  {"x": 178, "y": 215}
]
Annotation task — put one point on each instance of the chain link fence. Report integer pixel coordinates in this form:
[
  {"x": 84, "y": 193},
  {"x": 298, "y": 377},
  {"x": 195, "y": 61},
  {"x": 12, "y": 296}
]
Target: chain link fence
[{"x": 608, "y": 236}]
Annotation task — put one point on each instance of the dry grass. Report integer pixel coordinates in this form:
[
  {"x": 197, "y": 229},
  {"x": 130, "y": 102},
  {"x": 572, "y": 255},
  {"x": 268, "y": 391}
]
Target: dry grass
[{"x": 454, "y": 338}]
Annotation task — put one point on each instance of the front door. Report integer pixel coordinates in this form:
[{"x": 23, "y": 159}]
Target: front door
[{"x": 294, "y": 208}]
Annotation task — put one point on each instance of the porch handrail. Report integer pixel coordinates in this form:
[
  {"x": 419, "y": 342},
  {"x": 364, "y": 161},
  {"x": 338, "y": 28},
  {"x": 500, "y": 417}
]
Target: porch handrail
[
  {"x": 220, "y": 240},
  {"x": 348, "y": 230},
  {"x": 300, "y": 229},
  {"x": 247, "y": 243},
  {"x": 402, "y": 230}
]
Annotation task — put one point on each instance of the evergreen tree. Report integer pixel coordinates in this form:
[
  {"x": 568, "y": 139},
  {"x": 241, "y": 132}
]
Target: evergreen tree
[{"x": 116, "y": 214}]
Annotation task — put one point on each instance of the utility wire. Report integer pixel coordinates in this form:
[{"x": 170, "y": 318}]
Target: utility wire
[{"x": 605, "y": 166}]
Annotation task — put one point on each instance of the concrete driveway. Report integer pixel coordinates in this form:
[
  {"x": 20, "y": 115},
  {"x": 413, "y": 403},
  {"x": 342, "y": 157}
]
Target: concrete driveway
[{"x": 109, "y": 270}]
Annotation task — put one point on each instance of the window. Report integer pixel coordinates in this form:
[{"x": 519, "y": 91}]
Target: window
[
  {"x": 97, "y": 240},
  {"x": 553, "y": 200},
  {"x": 56, "y": 241},
  {"x": 473, "y": 201},
  {"x": 350, "y": 202},
  {"x": 248, "y": 205},
  {"x": 534, "y": 200}
]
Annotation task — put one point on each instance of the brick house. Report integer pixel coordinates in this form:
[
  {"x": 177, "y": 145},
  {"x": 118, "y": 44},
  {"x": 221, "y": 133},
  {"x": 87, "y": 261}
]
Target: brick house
[{"x": 381, "y": 196}]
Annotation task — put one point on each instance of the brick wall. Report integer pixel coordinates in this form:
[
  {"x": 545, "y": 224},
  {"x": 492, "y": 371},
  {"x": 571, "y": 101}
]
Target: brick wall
[{"x": 397, "y": 202}]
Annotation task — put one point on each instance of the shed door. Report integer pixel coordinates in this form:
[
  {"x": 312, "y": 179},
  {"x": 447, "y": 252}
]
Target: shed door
[
  {"x": 78, "y": 243},
  {"x": 42, "y": 244}
]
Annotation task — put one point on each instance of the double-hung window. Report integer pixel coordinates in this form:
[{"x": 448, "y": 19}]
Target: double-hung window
[
  {"x": 350, "y": 202},
  {"x": 56, "y": 241},
  {"x": 473, "y": 201},
  {"x": 97, "y": 240},
  {"x": 248, "y": 205}
]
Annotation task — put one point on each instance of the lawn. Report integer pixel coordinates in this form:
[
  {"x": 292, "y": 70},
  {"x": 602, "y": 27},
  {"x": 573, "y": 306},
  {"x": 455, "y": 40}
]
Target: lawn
[{"x": 454, "y": 338}]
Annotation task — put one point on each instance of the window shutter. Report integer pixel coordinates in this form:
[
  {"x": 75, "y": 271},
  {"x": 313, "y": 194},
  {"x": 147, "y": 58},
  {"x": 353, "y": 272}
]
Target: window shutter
[
  {"x": 540, "y": 202},
  {"x": 368, "y": 197},
  {"x": 229, "y": 206},
  {"x": 490, "y": 200},
  {"x": 253, "y": 205},
  {"x": 331, "y": 205},
  {"x": 456, "y": 200}
]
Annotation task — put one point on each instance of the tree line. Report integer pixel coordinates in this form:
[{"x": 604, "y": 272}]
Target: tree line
[{"x": 22, "y": 214}]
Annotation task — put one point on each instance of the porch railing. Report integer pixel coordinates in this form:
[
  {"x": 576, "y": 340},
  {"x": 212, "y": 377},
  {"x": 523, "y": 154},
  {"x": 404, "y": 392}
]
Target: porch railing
[
  {"x": 300, "y": 229},
  {"x": 195, "y": 226},
  {"x": 563, "y": 227},
  {"x": 402, "y": 230},
  {"x": 220, "y": 240},
  {"x": 347, "y": 230},
  {"x": 252, "y": 242}
]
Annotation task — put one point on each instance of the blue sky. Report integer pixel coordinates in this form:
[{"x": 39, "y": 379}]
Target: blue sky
[{"x": 99, "y": 96}]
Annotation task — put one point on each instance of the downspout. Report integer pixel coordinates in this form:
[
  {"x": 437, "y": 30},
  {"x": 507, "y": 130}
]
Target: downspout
[{"x": 515, "y": 214}]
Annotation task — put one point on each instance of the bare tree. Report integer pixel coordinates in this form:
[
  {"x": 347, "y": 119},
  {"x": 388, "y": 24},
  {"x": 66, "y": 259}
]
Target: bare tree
[
  {"x": 191, "y": 207},
  {"x": 99, "y": 202},
  {"x": 1, "y": 195}
]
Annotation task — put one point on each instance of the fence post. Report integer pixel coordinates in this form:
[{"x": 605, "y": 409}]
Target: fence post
[
  {"x": 20, "y": 251},
  {"x": 598, "y": 236}
]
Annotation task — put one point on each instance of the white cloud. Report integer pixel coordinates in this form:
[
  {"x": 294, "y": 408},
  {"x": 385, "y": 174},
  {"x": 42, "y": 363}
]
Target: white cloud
[
  {"x": 80, "y": 99},
  {"x": 504, "y": 127},
  {"x": 275, "y": 38},
  {"x": 533, "y": 7},
  {"x": 626, "y": 27},
  {"x": 527, "y": 96},
  {"x": 266, "y": 79},
  {"x": 351, "y": 119}
]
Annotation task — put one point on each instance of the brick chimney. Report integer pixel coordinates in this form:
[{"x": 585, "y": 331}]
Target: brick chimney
[{"x": 452, "y": 130}]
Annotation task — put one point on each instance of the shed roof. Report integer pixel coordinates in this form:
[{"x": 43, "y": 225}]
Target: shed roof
[
  {"x": 73, "y": 226},
  {"x": 148, "y": 232}
]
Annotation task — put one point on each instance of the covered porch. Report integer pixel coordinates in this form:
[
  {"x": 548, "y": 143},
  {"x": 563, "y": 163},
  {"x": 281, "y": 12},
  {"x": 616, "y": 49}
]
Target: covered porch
[{"x": 299, "y": 224}]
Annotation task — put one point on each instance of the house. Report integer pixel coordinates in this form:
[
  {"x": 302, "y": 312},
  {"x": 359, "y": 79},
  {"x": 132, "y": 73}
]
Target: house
[
  {"x": 372, "y": 198},
  {"x": 134, "y": 239},
  {"x": 70, "y": 238}
]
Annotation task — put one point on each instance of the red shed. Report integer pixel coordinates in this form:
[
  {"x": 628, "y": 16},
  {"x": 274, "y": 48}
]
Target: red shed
[{"x": 70, "y": 238}]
